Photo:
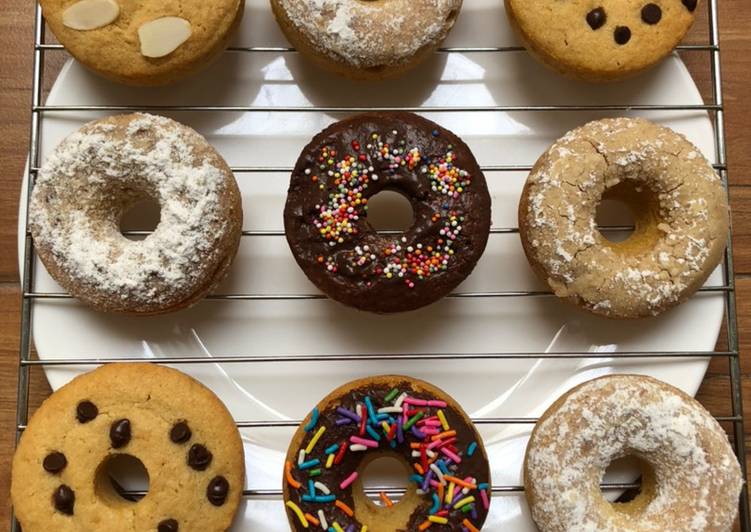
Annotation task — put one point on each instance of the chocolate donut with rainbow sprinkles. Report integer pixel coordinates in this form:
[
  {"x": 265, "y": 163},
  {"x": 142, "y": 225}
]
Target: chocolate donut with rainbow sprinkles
[{"x": 387, "y": 416}]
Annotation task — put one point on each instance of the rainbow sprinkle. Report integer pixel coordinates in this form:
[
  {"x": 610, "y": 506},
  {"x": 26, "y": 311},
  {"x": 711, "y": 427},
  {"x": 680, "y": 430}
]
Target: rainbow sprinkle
[
  {"x": 347, "y": 176},
  {"x": 424, "y": 430}
]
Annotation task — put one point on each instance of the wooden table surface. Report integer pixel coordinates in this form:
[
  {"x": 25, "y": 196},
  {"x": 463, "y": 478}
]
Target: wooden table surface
[{"x": 15, "y": 78}]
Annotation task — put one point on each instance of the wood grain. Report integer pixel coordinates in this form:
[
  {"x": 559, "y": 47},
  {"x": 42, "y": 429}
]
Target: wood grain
[{"x": 15, "y": 79}]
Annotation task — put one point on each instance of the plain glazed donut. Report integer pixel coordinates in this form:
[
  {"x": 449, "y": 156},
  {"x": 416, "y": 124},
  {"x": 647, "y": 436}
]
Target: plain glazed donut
[
  {"x": 692, "y": 480},
  {"x": 676, "y": 197},
  {"x": 388, "y": 416},
  {"x": 366, "y": 39},
  {"x": 177, "y": 428},
  {"x": 91, "y": 180},
  {"x": 326, "y": 218}
]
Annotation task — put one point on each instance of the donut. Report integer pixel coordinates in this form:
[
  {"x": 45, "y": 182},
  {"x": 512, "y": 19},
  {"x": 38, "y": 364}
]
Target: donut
[
  {"x": 366, "y": 40},
  {"x": 677, "y": 200},
  {"x": 601, "y": 40},
  {"x": 326, "y": 212},
  {"x": 178, "y": 429},
  {"x": 93, "y": 178},
  {"x": 691, "y": 479},
  {"x": 388, "y": 416},
  {"x": 149, "y": 42}
]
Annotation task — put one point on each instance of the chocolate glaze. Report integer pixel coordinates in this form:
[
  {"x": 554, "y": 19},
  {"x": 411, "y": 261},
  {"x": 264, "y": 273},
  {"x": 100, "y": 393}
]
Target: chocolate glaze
[
  {"x": 476, "y": 466},
  {"x": 364, "y": 287}
]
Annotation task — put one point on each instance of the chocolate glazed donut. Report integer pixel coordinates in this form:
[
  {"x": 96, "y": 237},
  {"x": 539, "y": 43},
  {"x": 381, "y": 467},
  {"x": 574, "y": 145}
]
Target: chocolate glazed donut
[
  {"x": 405, "y": 419},
  {"x": 326, "y": 213}
]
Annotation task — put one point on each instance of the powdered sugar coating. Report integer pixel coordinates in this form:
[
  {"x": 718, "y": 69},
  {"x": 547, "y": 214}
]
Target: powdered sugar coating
[
  {"x": 698, "y": 479},
  {"x": 90, "y": 181},
  {"x": 678, "y": 242},
  {"x": 369, "y": 34}
]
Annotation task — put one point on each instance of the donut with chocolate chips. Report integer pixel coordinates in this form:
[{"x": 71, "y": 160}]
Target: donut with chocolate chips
[
  {"x": 677, "y": 199},
  {"x": 179, "y": 430},
  {"x": 392, "y": 416},
  {"x": 326, "y": 215},
  {"x": 604, "y": 40}
]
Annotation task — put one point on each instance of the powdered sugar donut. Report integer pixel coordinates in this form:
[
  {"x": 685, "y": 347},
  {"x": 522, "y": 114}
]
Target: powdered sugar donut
[
  {"x": 691, "y": 481},
  {"x": 678, "y": 202},
  {"x": 92, "y": 179},
  {"x": 366, "y": 39}
]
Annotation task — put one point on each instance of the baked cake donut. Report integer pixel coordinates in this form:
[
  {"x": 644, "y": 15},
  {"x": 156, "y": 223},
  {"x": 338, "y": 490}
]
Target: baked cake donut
[
  {"x": 676, "y": 197},
  {"x": 150, "y": 42},
  {"x": 601, "y": 40},
  {"x": 365, "y": 39},
  {"x": 691, "y": 480},
  {"x": 180, "y": 431},
  {"x": 326, "y": 213},
  {"x": 106, "y": 167},
  {"x": 388, "y": 416}
]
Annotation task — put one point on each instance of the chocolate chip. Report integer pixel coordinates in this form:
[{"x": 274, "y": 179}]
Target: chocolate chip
[
  {"x": 217, "y": 491},
  {"x": 54, "y": 462},
  {"x": 199, "y": 457},
  {"x": 180, "y": 433},
  {"x": 120, "y": 433},
  {"x": 168, "y": 525},
  {"x": 690, "y": 5},
  {"x": 622, "y": 34},
  {"x": 596, "y": 18},
  {"x": 86, "y": 411},
  {"x": 651, "y": 14},
  {"x": 64, "y": 499}
]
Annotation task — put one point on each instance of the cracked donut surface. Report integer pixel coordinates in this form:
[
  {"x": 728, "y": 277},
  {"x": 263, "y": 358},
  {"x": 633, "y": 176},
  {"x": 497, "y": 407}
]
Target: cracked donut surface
[
  {"x": 691, "y": 478},
  {"x": 676, "y": 197}
]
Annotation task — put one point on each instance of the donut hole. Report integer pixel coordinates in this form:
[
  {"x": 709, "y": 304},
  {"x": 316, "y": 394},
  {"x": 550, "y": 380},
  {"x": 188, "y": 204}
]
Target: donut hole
[
  {"x": 615, "y": 220},
  {"x": 628, "y": 215},
  {"x": 634, "y": 480},
  {"x": 121, "y": 479},
  {"x": 140, "y": 218},
  {"x": 384, "y": 480},
  {"x": 390, "y": 210}
]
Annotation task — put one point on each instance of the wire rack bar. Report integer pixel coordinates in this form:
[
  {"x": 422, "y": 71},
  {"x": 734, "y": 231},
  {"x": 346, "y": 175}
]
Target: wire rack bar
[
  {"x": 314, "y": 297},
  {"x": 443, "y": 49},
  {"x": 350, "y": 110},
  {"x": 715, "y": 108},
  {"x": 369, "y": 357},
  {"x": 289, "y": 169},
  {"x": 476, "y": 421}
]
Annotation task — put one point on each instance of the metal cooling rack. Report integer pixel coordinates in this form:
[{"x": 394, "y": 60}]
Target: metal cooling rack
[{"x": 715, "y": 108}]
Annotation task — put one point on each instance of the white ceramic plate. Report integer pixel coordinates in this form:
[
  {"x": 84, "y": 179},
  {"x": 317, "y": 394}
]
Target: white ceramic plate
[{"x": 282, "y": 391}]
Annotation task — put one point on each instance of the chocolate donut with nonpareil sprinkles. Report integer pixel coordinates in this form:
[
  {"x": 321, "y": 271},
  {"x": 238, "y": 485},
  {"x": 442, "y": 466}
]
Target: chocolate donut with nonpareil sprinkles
[
  {"x": 387, "y": 416},
  {"x": 106, "y": 168},
  {"x": 326, "y": 218},
  {"x": 177, "y": 428}
]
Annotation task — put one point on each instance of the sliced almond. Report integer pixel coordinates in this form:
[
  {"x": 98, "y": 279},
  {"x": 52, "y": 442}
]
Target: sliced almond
[
  {"x": 163, "y": 36},
  {"x": 91, "y": 14}
]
